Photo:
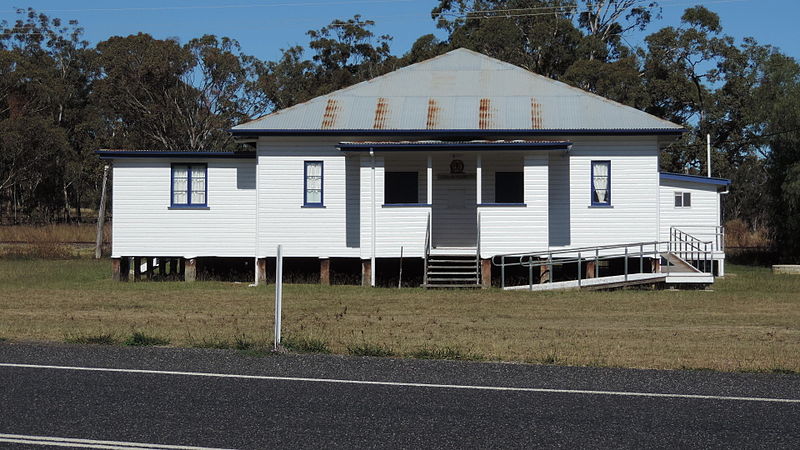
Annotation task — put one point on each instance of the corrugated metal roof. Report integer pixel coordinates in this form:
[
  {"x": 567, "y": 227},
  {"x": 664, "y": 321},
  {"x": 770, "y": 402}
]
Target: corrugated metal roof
[{"x": 460, "y": 90}]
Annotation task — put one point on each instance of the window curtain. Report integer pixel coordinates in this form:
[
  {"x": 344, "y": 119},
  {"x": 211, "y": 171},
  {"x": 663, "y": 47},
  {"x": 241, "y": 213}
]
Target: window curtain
[
  {"x": 600, "y": 179},
  {"x": 180, "y": 185},
  {"x": 314, "y": 182},
  {"x": 198, "y": 185}
]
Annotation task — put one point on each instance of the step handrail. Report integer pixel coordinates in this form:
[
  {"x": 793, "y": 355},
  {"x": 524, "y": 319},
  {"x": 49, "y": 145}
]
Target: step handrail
[
  {"x": 714, "y": 232},
  {"x": 427, "y": 247},
  {"x": 478, "y": 250}
]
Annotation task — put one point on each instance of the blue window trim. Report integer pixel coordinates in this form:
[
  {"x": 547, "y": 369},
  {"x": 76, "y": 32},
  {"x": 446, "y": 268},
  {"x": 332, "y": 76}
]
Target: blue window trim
[
  {"x": 492, "y": 205},
  {"x": 188, "y": 204},
  {"x": 405, "y": 205},
  {"x": 321, "y": 202},
  {"x": 605, "y": 204}
]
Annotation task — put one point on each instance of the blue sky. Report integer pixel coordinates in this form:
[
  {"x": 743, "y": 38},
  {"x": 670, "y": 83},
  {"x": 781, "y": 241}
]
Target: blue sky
[{"x": 263, "y": 27}]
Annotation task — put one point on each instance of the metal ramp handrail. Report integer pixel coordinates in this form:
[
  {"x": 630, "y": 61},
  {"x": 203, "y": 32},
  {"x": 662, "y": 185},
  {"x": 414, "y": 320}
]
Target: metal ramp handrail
[
  {"x": 642, "y": 250},
  {"x": 714, "y": 233}
]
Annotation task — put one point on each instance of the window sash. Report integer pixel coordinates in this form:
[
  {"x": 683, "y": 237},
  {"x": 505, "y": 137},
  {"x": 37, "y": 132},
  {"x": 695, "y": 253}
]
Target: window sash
[
  {"x": 401, "y": 188},
  {"x": 601, "y": 183},
  {"x": 189, "y": 184},
  {"x": 313, "y": 183},
  {"x": 509, "y": 187},
  {"x": 683, "y": 199}
]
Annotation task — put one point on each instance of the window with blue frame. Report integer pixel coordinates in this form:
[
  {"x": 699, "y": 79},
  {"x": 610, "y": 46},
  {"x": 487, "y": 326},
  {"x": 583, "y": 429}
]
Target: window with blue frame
[
  {"x": 312, "y": 184},
  {"x": 601, "y": 183},
  {"x": 400, "y": 188},
  {"x": 189, "y": 185},
  {"x": 509, "y": 187}
]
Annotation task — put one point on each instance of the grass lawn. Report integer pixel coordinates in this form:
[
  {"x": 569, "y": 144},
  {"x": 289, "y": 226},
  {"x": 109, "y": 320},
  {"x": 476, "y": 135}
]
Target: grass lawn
[{"x": 750, "y": 322}]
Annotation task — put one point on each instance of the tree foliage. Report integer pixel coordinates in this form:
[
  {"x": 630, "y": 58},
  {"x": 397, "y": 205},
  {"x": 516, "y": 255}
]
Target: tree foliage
[{"x": 61, "y": 99}]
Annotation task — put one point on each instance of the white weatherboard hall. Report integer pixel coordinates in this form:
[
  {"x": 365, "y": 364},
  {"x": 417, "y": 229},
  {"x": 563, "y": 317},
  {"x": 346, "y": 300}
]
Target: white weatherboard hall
[{"x": 471, "y": 166}]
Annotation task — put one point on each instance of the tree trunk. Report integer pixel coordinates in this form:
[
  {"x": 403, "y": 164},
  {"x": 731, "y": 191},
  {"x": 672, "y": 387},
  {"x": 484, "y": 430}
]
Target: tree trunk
[
  {"x": 66, "y": 202},
  {"x": 101, "y": 217}
]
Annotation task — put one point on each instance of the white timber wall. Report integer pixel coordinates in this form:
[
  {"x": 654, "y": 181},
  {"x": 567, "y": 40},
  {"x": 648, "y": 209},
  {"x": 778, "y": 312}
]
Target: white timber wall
[
  {"x": 306, "y": 232},
  {"x": 144, "y": 224},
  {"x": 515, "y": 229},
  {"x": 395, "y": 227},
  {"x": 704, "y": 214},
  {"x": 633, "y": 215}
]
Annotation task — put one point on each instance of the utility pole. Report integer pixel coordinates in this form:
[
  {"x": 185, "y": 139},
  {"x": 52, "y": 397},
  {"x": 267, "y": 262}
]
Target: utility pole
[
  {"x": 708, "y": 154},
  {"x": 101, "y": 217}
]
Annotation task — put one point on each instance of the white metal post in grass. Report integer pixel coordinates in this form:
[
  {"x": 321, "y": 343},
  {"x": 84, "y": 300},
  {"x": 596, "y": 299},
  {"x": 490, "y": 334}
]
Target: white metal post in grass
[{"x": 278, "y": 296}]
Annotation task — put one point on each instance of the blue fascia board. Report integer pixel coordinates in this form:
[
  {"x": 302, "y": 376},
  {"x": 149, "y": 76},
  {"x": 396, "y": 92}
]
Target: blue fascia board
[
  {"x": 459, "y": 132},
  {"x": 118, "y": 154},
  {"x": 695, "y": 178},
  {"x": 449, "y": 146}
]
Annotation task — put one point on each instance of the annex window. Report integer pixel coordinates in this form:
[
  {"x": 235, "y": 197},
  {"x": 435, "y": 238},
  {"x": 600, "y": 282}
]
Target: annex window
[
  {"x": 509, "y": 187},
  {"x": 601, "y": 183},
  {"x": 683, "y": 199},
  {"x": 400, "y": 187},
  {"x": 312, "y": 195},
  {"x": 189, "y": 185}
]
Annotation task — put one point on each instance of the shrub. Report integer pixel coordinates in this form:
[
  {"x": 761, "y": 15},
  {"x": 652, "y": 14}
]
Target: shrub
[
  {"x": 92, "y": 339},
  {"x": 366, "y": 349},
  {"x": 139, "y": 339},
  {"x": 451, "y": 353},
  {"x": 305, "y": 345},
  {"x": 243, "y": 343},
  {"x": 213, "y": 342}
]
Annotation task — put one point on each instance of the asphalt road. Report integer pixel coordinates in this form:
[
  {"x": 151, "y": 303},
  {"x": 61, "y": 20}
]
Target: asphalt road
[{"x": 55, "y": 391}]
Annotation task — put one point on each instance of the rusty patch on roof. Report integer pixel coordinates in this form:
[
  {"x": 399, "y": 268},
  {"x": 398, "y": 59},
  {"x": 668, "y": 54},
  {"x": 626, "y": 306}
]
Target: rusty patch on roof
[
  {"x": 536, "y": 114},
  {"x": 381, "y": 114},
  {"x": 331, "y": 114},
  {"x": 433, "y": 114},
  {"x": 485, "y": 115}
]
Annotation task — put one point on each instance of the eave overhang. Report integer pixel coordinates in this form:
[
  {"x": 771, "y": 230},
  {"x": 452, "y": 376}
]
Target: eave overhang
[
  {"x": 123, "y": 154},
  {"x": 434, "y": 133},
  {"x": 695, "y": 179},
  {"x": 433, "y": 146}
]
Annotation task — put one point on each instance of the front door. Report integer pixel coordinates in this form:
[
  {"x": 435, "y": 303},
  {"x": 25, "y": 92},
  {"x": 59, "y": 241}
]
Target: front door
[{"x": 455, "y": 222}]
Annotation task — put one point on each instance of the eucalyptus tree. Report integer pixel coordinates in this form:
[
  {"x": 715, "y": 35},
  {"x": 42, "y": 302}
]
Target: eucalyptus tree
[
  {"x": 46, "y": 79},
  {"x": 161, "y": 94}
]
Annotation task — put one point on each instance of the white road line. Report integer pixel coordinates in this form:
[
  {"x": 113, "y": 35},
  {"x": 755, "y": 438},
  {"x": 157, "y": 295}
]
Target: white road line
[
  {"x": 404, "y": 384},
  {"x": 90, "y": 443}
]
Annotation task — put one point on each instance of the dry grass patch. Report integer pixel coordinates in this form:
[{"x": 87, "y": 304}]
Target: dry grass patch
[
  {"x": 55, "y": 233},
  {"x": 751, "y": 321}
]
